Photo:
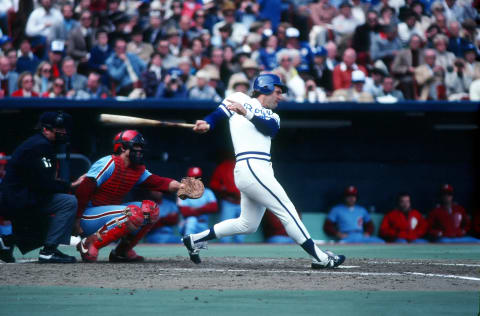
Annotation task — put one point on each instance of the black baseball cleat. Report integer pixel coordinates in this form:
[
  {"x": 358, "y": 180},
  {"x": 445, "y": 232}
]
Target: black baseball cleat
[
  {"x": 194, "y": 249},
  {"x": 333, "y": 261},
  {"x": 6, "y": 252},
  {"x": 54, "y": 256}
]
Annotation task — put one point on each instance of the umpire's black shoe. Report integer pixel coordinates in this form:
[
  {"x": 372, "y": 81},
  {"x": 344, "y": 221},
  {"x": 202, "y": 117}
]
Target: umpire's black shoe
[
  {"x": 6, "y": 251},
  {"x": 54, "y": 256}
]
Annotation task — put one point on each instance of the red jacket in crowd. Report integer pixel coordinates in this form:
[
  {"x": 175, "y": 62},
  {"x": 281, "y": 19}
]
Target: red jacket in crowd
[
  {"x": 448, "y": 224},
  {"x": 342, "y": 75},
  {"x": 19, "y": 93},
  {"x": 396, "y": 224}
]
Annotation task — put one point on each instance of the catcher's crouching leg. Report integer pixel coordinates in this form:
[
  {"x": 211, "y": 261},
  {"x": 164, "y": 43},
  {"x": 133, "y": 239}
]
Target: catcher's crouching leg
[
  {"x": 131, "y": 220},
  {"x": 124, "y": 251}
]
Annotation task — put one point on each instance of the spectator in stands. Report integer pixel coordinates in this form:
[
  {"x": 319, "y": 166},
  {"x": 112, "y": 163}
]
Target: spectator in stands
[
  {"x": 373, "y": 85},
  {"x": 164, "y": 231},
  {"x": 239, "y": 31},
  {"x": 197, "y": 28},
  {"x": 124, "y": 69},
  {"x": 172, "y": 86},
  {"x": 198, "y": 58},
  {"x": 223, "y": 184},
  {"x": 345, "y": 23},
  {"x": 409, "y": 27},
  {"x": 387, "y": 16},
  {"x": 238, "y": 83},
  {"x": 445, "y": 59},
  {"x": 41, "y": 24},
  {"x": 95, "y": 89},
  {"x": 457, "y": 81},
  {"x": 26, "y": 60},
  {"x": 57, "y": 89},
  {"x": 168, "y": 59},
  {"x": 8, "y": 78},
  {"x": 99, "y": 55},
  {"x": 389, "y": 94},
  {"x": 201, "y": 90},
  {"x": 62, "y": 30},
  {"x": 404, "y": 224},
  {"x": 196, "y": 212},
  {"x": 313, "y": 94},
  {"x": 153, "y": 76},
  {"x": 55, "y": 56},
  {"x": 404, "y": 64},
  {"x": 43, "y": 77},
  {"x": 362, "y": 37},
  {"x": 154, "y": 31},
  {"x": 355, "y": 93},
  {"x": 456, "y": 43},
  {"x": 81, "y": 39},
  {"x": 322, "y": 13},
  {"x": 456, "y": 12},
  {"x": 386, "y": 44},
  {"x": 273, "y": 230},
  {"x": 429, "y": 78},
  {"x": 185, "y": 65},
  {"x": 250, "y": 69},
  {"x": 295, "y": 84},
  {"x": 302, "y": 47},
  {"x": 268, "y": 52},
  {"x": 342, "y": 73},
  {"x": 25, "y": 86},
  {"x": 448, "y": 221},
  {"x": 350, "y": 223},
  {"x": 138, "y": 47},
  {"x": 73, "y": 82},
  {"x": 319, "y": 70},
  {"x": 474, "y": 91},
  {"x": 331, "y": 60},
  {"x": 423, "y": 20},
  {"x": 12, "y": 58},
  {"x": 472, "y": 66}
]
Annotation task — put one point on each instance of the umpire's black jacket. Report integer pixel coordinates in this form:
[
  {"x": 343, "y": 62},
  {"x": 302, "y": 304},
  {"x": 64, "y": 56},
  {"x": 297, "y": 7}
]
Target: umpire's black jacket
[{"x": 29, "y": 183}]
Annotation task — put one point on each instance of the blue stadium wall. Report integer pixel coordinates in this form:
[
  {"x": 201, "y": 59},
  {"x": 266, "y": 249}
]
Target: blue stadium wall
[{"x": 320, "y": 149}]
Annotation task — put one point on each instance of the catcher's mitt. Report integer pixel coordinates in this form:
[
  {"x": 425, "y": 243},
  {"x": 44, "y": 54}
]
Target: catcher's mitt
[{"x": 193, "y": 188}]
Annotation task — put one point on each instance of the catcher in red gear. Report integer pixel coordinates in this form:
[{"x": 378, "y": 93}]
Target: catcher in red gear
[{"x": 101, "y": 216}]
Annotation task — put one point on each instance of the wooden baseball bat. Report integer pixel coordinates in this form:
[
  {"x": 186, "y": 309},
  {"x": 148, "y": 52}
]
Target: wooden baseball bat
[{"x": 138, "y": 121}]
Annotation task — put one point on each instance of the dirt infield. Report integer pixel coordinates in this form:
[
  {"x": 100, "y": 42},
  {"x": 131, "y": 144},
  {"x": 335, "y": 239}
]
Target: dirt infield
[{"x": 253, "y": 274}]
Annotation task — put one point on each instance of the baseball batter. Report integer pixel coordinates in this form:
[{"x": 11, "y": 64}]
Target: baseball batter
[{"x": 253, "y": 124}]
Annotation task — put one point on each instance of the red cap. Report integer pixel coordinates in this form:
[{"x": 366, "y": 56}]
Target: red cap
[
  {"x": 351, "y": 190},
  {"x": 3, "y": 159},
  {"x": 195, "y": 172},
  {"x": 446, "y": 189}
]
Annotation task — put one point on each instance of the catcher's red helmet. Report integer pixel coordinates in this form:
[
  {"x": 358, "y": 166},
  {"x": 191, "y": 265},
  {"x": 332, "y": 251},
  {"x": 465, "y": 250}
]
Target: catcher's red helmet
[
  {"x": 127, "y": 139},
  {"x": 195, "y": 172}
]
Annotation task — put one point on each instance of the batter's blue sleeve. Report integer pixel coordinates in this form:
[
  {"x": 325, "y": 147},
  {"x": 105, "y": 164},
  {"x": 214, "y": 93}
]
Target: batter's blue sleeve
[
  {"x": 220, "y": 113},
  {"x": 266, "y": 126},
  {"x": 101, "y": 170}
]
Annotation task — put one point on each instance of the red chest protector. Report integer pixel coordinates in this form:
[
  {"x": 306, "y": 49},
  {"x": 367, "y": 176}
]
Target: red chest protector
[{"x": 122, "y": 180}]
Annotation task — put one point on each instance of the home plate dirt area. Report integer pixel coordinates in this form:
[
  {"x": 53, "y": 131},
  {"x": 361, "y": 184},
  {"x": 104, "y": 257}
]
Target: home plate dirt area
[{"x": 252, "y": 274}]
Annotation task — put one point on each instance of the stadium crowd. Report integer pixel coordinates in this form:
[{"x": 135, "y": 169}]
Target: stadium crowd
[{"x": 364, "y": 50}]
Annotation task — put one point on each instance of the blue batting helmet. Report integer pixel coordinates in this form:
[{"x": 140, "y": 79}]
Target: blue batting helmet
[{"x": 265, "y": 84}]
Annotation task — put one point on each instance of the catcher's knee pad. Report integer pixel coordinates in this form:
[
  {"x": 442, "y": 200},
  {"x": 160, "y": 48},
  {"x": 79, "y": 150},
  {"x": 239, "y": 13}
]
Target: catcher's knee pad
[
  {"x": 135, "y": 217},
  {"x": 150, "y": 211}
]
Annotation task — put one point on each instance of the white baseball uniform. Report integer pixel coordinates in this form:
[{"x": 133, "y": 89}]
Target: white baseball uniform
[{"x": 254, "y": 175}]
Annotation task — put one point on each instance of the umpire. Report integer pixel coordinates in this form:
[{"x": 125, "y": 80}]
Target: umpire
[{"x": 34, "y": 199}]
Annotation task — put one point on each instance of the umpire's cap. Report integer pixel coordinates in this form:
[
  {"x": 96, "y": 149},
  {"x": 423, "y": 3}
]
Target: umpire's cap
[
  {"x": 265, "y": 84},
  {"x": 53, "y": 119}
]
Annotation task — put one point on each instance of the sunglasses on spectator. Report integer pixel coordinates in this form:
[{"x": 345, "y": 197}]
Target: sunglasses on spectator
[
  {"x": 27, "y": 80},
  {"x": 47, "y": 69},
  {"x": 286, "y": 59},
  {"x": 57, "y": 84}
]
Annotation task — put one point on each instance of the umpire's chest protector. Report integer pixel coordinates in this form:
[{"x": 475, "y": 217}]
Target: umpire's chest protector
[{"x": 115, "y": 188}]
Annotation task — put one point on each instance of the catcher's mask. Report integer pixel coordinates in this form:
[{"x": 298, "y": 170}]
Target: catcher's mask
[{"x": 133, "y": 140}]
